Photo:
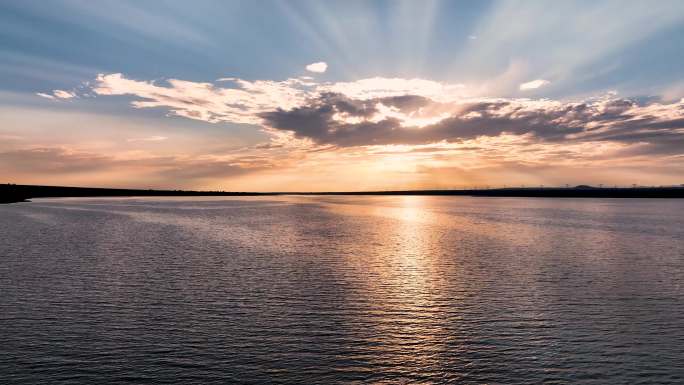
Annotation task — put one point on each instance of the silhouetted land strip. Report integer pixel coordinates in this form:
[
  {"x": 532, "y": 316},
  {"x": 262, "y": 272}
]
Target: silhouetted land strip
[
  {"x": 10, "y": 193},
  {"x": 18, "y": 193}
]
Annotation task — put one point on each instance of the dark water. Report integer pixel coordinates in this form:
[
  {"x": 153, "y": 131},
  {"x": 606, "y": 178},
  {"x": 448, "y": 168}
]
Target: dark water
[{"x": 341, "y": 290}]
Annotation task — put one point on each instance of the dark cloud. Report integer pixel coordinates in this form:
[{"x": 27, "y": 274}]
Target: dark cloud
[
  {"x": 405, "y": 102},
  {"x": 268, "y": 146},
  {"x": 618, "y": 120}
]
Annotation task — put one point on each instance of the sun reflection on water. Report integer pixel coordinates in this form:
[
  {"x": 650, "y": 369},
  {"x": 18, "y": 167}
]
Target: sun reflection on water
[{"x": 407, "y": 310}]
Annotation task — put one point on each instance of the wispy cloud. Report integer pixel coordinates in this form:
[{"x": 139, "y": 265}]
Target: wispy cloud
[
  {"x": 57, "y": 94},
  {"x": 206, "y": 101},
  {"x": 43, "y": 163},
  {"x": 534, "y": 84},
  {"x": 148, "y": 139}
]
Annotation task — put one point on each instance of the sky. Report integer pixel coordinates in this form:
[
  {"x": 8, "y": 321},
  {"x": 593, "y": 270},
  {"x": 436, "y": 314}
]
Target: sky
[{"x": 341, "y": 95}]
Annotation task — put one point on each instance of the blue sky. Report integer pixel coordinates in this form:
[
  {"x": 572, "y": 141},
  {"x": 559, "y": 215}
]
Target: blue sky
[
  {"x": 621, "y": 44},
  {"x": 209, "y": 39},
  {"x": 565, "y": 52}
]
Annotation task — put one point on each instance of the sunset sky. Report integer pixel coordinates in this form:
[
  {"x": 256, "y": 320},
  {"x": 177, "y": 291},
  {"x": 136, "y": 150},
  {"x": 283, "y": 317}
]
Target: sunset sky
[{"x": 341, "y": 95}]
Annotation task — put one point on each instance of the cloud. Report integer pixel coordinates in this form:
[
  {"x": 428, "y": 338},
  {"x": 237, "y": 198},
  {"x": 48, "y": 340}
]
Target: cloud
[
  {"x": 61, "y": 94},
  {"x": 328, "y": 120},
  {"x": 44, "y": 95},
  {"x": 246, "y": 100},
  {"x": 147, "y": 139},
  {"x": 318, "y": 67},
  {"x": 382, "y": 111},
  {"x": 534, "y": 84},
  {"x": 377, "y": 87},
  {"x": 205, "y": 101},
  {"x": 57, "y": 94}
]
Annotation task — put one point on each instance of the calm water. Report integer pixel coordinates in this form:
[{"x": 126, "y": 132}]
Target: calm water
[{"x": 342, "y": 289}]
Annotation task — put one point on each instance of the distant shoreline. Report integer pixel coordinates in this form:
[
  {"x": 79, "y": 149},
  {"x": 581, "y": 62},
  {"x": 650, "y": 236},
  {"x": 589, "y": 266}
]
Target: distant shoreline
[{"x": 10, "y": 193}]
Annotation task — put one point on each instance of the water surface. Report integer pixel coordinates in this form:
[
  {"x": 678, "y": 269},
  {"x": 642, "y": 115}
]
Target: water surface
[{"x": 342, "y": 289}]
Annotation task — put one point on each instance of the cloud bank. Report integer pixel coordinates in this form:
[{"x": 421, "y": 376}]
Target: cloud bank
[{"x": 395, "y": 111}]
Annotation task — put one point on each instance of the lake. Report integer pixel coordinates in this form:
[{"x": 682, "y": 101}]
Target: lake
[{"x": 342, "y": 289}]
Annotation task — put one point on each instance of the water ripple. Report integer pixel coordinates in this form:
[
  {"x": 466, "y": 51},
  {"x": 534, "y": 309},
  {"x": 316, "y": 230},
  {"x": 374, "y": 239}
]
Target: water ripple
[{"x": 342, "y": 290}]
